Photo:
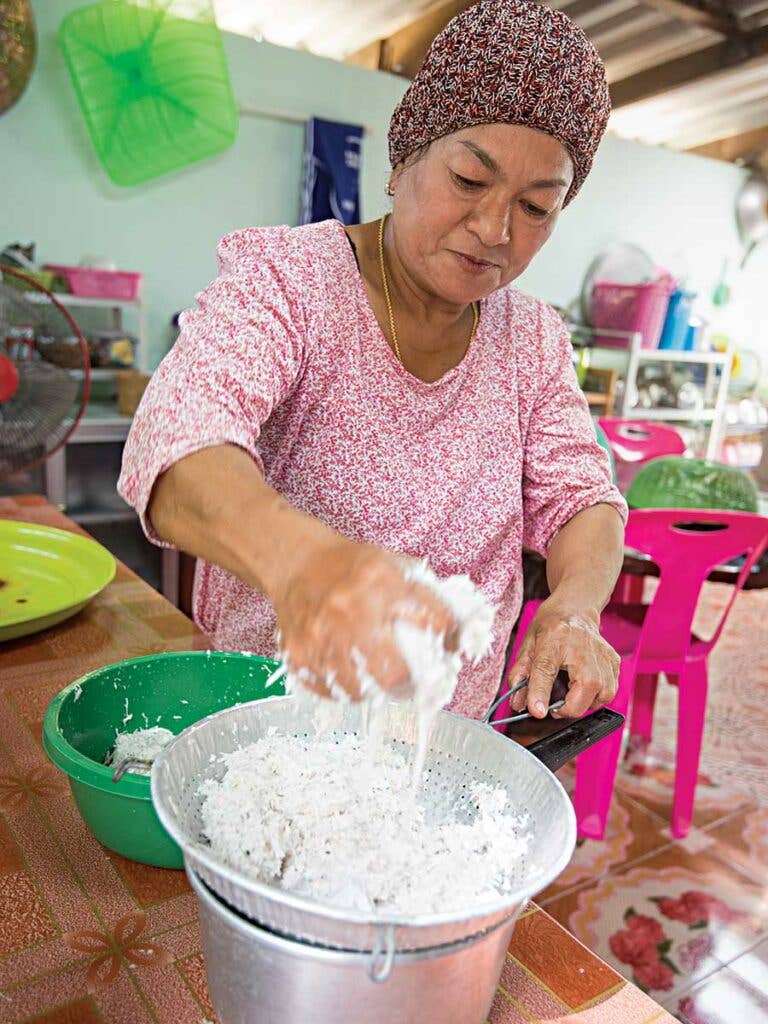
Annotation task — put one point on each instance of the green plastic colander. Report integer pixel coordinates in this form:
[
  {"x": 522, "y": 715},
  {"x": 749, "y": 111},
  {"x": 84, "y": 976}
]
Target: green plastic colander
[
  {"x": 172, "y": 690},
  {"x": 674, "y": 481},
  {"x": 153, "y": 87}
]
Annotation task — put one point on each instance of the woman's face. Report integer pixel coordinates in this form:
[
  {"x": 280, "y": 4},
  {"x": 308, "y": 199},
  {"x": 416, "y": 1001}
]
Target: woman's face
[{"x": 472, "y": 212}]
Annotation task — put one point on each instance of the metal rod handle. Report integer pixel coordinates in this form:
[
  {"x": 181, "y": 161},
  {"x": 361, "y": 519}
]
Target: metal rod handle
[
  {"x": 126, "y": 766},
  {"x": 383, "y": 955},
  {"x": 500, "y": 700},
  {"x": 523, "y": 714}
]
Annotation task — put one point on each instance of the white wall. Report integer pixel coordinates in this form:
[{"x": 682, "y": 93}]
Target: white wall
[
  {"x": 680, "y": 208},
  {"x": 54, "y": 191}
]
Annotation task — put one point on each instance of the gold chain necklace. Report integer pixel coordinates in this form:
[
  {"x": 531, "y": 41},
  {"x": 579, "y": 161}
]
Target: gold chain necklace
[{"x": 390, "y": 314}]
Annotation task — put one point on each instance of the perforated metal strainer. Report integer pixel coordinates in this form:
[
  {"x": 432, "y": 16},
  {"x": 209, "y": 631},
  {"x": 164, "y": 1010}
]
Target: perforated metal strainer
[{"x": 460, "y": 750}]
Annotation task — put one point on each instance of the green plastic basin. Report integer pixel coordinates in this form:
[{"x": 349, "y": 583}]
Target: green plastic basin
[{"x": 173, "y": 690}]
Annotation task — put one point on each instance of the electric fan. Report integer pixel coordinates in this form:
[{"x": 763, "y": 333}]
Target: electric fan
[
  {"x": 46, "y": 574},
  {"x": 45, "y": 375}
]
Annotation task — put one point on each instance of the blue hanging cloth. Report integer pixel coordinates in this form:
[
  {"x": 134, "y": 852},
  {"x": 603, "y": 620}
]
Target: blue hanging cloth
[{"x": 331, "y": 186}]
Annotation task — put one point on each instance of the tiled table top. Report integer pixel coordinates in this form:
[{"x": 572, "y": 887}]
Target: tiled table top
[{"x": 87, "y": 936}]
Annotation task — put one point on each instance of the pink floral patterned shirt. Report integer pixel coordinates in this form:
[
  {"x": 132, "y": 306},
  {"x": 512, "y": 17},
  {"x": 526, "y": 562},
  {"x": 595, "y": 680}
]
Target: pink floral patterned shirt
[{"x": 283, "y": 356}]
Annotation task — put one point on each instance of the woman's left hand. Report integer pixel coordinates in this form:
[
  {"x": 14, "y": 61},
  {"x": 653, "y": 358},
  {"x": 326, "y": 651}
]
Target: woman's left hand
[{"x": 564, "y": 637}]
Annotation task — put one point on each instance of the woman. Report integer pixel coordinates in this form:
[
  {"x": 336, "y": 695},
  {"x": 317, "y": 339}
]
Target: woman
[{"x": 339, "y": 400}]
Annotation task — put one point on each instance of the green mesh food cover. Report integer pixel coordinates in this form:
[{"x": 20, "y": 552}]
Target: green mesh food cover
[
  {"x": 153, "y": 86},
  {"x": 602, "y": 440},
  {"x": 677, "y": 482}
]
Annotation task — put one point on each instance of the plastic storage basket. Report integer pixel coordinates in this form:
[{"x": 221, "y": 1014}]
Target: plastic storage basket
[
  {"x": 93, "y": 283},
  {"x": 631, "y": 307}
]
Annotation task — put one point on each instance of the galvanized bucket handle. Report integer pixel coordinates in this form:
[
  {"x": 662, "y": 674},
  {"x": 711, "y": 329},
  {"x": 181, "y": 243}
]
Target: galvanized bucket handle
[
  {"x": 383, "y": 954},
  {"x": 514, "y": 718}
]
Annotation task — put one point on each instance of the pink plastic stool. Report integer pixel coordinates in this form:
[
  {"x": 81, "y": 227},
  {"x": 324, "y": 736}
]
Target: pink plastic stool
[{"x": 686, "y": 544}]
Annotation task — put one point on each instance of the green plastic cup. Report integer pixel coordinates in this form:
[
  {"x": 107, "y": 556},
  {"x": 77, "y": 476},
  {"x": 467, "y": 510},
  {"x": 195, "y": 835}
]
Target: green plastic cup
[{"x": 172, "y": 690}]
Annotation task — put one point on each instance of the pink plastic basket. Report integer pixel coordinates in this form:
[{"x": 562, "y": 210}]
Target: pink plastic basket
[
  {"x": 92, "y": 283},
  {"x": 631, "y": 307}
]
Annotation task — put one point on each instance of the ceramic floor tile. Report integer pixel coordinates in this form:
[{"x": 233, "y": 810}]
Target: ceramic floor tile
[
  {"x": 668, "y": 921},
  {"x": 722, "y": 999},
  {"x": 736, "y": 728},
  {"x": 742, "y": 840},
  {"x": 752, "y": 967},
  {"x": 649, "y": 779},
  {"x": 632, "y": 833}
]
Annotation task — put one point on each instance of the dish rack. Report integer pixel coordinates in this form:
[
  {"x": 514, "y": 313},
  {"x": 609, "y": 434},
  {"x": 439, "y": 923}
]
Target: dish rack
[{"x": 630, "y": 356}]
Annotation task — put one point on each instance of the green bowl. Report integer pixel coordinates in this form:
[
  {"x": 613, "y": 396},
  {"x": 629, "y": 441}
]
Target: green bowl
[{"x": 173, "y": 690}]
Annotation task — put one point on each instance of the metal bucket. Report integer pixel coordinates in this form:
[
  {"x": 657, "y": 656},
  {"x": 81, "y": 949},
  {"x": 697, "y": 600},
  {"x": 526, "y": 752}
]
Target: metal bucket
[
  {"x": 460, "y": 751},
  {"x": 258, "y": 977}
]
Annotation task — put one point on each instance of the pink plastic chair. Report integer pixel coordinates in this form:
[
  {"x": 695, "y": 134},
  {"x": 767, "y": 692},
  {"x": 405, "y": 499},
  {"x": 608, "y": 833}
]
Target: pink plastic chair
[
  {"x": 657, "y": 638},
  {"x": 634, "y": 442}
]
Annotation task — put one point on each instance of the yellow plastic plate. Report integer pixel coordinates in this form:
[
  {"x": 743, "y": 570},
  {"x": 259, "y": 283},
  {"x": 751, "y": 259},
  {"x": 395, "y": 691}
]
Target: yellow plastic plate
[{"x": 46, "y": 575}]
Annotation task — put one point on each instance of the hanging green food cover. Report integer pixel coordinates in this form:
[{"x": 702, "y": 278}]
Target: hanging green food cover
[
  {"x": 17, "y": 50},
  {"x": 153, "y": 86},
  {"x": 676, "y": 482}
]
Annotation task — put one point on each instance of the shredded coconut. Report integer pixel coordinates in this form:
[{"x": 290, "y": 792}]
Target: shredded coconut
[
  {"x": 78, "y": 691},
  {"x": 140, "y": 745},
  {"x": 340, "y": 820},
  {"x": 434, "y": 670},
  {"x": 318, "y": 817}
]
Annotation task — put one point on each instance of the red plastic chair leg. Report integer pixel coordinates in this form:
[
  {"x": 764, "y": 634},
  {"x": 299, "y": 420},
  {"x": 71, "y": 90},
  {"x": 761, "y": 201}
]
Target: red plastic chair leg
[
  {"x": 691, "y": 711},
  {"x": 643, "y": 701},
  {"x": 596, "y": 768},
  {"x": 629, "y": 589}
]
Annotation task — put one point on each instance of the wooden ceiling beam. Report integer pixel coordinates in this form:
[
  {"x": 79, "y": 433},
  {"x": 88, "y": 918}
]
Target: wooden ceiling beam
[
  {"x": 403, "y": 52},
  {"x": 656, "y": 80},
  {"x": 368, "y": 56},
  {"x": 749, "y": 146},
  {"x": 694, "y": 14}
]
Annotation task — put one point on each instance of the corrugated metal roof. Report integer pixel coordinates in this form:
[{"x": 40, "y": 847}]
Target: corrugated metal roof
[
  {"x": 329, "y": 28},
  {"x": 633, "y": 38},
  {"x": 724, "y": 105}
]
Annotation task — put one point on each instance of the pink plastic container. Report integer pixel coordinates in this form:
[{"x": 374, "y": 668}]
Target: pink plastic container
[
  {"x": 92, "y": 283},
  {"x": 631, "y": 307}
]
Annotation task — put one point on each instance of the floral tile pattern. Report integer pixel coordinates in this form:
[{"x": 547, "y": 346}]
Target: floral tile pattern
[
  {"x": 632, "y": 833},
  {"x": 647, "y": 775},
  {"x": 721, "y": 999},
  {"x": 663, "y": 925},
  {"x": 742, "y": 840},
  {"x": 689, "y": 922}
]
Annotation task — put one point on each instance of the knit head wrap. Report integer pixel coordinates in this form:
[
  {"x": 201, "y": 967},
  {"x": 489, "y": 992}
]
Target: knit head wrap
[{"x": 508, "y": 62}]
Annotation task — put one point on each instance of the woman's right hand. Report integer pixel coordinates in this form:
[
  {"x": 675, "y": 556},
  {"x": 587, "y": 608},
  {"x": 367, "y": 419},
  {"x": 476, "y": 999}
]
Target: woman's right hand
[{"x": 336, "y": 614}]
